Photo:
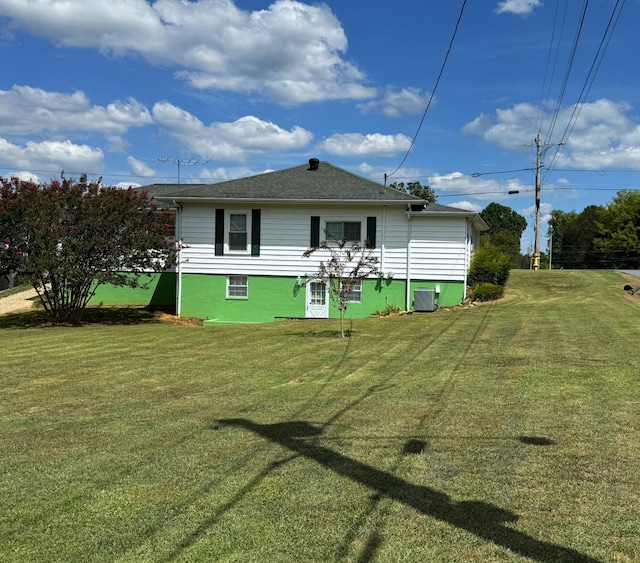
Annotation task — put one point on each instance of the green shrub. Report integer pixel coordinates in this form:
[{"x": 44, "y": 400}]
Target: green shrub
[
  {"x": 387, "y": 311},
  {"x": 486, "y": 292},
  {"x": 489, "y": 265}
]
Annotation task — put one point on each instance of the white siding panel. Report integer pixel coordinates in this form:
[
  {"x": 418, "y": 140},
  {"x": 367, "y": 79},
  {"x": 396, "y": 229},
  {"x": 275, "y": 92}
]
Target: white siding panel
[
  {"x": 198, "y": 224},
  {"x": 285, "y": 236},
  {"x": 438, "y": 248},
  {"x": 438, "y": 245}
]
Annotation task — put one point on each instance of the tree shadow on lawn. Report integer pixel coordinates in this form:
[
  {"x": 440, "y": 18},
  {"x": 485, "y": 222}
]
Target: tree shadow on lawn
[
  {"x": 482, "y": 519},
  {"x": 90, "y": 316},
  {"x": 322, "y": 334}
]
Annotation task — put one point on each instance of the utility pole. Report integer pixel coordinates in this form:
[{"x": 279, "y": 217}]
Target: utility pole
[
  {"x": 539, "y": 164},
  {"x": 536, "y": 248}
]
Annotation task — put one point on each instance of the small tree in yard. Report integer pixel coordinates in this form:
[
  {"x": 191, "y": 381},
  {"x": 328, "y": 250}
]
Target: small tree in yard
[
  {"x": 348, "y": 264},
  {"x": 68, "y": 237}
]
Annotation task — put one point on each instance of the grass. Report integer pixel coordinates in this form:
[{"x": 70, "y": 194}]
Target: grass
[{"x": 503, "y": 432}]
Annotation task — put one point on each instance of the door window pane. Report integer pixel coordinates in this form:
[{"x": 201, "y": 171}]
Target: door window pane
[{"x": 318, "y": 293}]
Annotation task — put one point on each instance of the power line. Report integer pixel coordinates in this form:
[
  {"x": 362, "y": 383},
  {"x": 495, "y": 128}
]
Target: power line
[
  {"x": 567, "y": 73},
  {"x": 478, "y": 174},
  {"x": 433, "y": 92},
  {"x": 591, "y": 75},
  {"x": 542, "y": 108}
]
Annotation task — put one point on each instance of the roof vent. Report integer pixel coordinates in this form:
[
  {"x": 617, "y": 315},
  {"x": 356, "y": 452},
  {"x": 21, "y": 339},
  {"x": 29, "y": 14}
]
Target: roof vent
[{"x": 313, "y": 163}]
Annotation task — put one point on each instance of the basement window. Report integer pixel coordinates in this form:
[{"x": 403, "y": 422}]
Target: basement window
[
  {"x": 355, "y": 296},
  {"x": 237, "y": 287}
]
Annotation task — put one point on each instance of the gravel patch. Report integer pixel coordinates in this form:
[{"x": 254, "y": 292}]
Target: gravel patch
[{"x": 18, "y": 303}]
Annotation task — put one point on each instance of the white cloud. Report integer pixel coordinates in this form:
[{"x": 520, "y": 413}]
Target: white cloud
[
  {"x": 481, "y": 188},
  {"x": 25, "y": 176},
  {"x": 545, "y": 211},
  {"x": 127, "y": 185},
  {"x": 372, "y": 144},
  {"x": 55, "y": 155},
  {"x": 521, "y": 7},
  {"x": 603, "y": 134},
  {"x": 27, "y": 111},
  {"x": 221, "y": 174},
  {"x": 396, "y": 103},
  {"x": 139, "y": 168},
  {"x": 469, "y": 206},
  {"x": 227, "y": 141},
  {"x": 291, "y": 52}
]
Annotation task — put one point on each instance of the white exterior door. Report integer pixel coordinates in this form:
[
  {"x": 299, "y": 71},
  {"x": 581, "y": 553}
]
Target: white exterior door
[{"x": 317, "y": 300}]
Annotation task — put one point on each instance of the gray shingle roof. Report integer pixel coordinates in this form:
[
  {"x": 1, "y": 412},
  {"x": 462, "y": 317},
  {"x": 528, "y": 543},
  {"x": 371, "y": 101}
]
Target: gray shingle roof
[
  {"x": 300, "y": 184},
  {"x": 327, "y": 183}
]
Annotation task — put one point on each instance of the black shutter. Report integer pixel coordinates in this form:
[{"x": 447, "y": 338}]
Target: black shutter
[
  {"x": 255, "y": 232},
  {"x": 371, "y": 232},
  {"x": 315, "y": 232},
  {"x": 219, "y": 232}
]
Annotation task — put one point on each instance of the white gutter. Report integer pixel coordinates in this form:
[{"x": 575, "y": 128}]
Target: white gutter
[
  {"x": 384, "y": 238},
  {"x": 408, "y": 297},
  {"x": 467, "y": 256}
]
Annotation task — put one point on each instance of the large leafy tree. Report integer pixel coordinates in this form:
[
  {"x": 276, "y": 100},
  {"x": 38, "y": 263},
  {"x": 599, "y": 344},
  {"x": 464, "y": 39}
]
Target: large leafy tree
[
  {"x": 417, "y": 189},
  {"x": 68, "y": 237},
  {"x": 505, "y": 230},
  {"x": 501, "y": 218},
  {"x": 348, "y": 263},
  {"x": 619, "y": 230},
  {"x": 561, "y": 230}
]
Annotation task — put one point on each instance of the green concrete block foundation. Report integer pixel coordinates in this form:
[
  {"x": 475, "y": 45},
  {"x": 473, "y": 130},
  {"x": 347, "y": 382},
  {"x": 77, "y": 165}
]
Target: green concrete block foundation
[
  {"x": 271, "y": 298},
  {"x": 161, "y": 293}
]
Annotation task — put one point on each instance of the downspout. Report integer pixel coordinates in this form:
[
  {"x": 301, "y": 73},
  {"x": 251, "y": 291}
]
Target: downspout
[
  {"x": 178, "y": 258},
  {"x": 408, "y": 297},
  {"x": 384, "y": 237},
  {"x": 467, "y": 258}
]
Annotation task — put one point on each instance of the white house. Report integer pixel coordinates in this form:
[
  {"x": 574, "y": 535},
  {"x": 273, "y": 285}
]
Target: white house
[{"x": 242, "y": 244}]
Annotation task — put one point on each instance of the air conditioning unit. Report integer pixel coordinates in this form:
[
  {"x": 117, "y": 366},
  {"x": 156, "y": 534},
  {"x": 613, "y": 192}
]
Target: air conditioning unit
[{"x": 424, "y": 300}]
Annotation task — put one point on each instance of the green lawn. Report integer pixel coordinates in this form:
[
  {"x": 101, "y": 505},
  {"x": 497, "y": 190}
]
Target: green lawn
[{"x": 504, "y": 432}]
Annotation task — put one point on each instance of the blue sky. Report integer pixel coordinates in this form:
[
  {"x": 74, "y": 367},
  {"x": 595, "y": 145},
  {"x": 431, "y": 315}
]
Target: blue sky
[{"x": 135, "y": 91}]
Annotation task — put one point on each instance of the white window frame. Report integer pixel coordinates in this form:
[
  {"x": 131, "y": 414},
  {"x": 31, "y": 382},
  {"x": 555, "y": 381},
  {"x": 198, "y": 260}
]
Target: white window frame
[
  {"x": 359, "y": 220},
  {"x": 355, "y": 296},
  {"x": 237, "y": 286},
  {"x": 227, "y": 231}
]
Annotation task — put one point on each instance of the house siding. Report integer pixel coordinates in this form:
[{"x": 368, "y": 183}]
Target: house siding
[
  {"x": 438, "y": 249},
  {"x": 284, "y": 237},
  {"x": 437, "y": 245}
]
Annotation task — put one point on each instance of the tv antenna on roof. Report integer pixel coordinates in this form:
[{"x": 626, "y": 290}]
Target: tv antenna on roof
[{"x": 179, "y": 161}]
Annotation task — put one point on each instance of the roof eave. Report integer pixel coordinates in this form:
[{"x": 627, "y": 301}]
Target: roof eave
[
  {"x": 169, "y": 199},
  {"x": 477, "y": 220}
]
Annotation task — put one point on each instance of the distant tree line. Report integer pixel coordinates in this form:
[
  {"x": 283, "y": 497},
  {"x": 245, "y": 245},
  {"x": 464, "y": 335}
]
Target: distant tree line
[{"x": 605, "y": 237}]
